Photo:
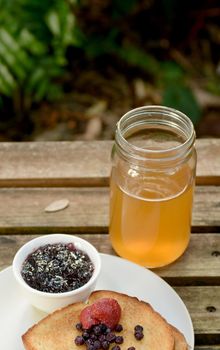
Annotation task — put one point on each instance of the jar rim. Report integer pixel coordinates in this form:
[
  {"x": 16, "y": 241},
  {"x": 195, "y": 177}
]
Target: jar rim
[{"x": 137, "y": 152}]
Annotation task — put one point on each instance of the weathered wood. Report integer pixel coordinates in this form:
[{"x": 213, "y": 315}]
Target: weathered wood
[
  {"x": 200, "y": 264},
  {"x": 208, "y": 168},
  {"x": 207, "y": 347},
  {"x": 60, "y": 163},
  {"x": 55, "y": 163},
  {"x": 48, "y": 170},
  {"x": 203, "y": 304},
  {"x": 22, "y": 210}
]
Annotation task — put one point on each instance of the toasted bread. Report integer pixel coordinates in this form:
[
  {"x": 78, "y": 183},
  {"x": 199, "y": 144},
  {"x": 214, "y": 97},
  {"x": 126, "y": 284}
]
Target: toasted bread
[
  {"x": 179, "y": 340},
  {"x": 57, "y": 331}
]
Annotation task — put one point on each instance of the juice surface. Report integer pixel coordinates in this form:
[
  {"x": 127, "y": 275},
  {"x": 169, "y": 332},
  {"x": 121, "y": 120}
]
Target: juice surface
[{"x": 150, "y": 224}]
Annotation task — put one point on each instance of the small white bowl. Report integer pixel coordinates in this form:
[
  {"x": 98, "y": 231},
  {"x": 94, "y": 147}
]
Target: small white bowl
[{"x": 49, "y": 302}]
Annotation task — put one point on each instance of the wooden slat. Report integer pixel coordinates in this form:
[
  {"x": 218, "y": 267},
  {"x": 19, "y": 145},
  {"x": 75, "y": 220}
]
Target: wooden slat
[
  {"x": 208, "y": 161},
  {"x": 82, "y": 163},
  {"x": 208, "y": 347},
  {"x": 203, "y": 304},
  {"x": 199, "y": 265},
  {"x": 22, "y": 210},
  {"x": 55, "y": 163}
]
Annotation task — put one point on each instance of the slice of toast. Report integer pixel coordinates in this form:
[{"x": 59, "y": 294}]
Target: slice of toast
[
  {"x": 179, "y": 340},
  {"x": 57, "y": 331}
]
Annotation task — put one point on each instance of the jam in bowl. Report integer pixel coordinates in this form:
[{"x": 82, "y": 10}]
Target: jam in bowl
[{"x": 56, "y": 270}]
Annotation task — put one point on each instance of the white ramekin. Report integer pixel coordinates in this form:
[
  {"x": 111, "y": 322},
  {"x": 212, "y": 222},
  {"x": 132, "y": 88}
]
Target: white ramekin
[{"x": 49, "y": 302}]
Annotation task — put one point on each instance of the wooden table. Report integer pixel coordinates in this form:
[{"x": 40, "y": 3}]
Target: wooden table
[{"x": 32, "y": 175}]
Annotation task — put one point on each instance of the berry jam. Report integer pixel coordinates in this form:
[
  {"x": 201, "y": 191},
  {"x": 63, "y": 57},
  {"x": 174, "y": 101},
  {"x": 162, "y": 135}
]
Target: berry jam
[{"x": 57, "y": 268}]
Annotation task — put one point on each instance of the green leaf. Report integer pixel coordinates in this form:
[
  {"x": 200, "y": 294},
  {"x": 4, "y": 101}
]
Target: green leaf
[
  {"x": 53, "y": 22},
  {"x": 69, "y": 36},
  {"x": 171, "y": 72},
  {"x": 139, "y": 58},
  {"x": 28, "y": 41},
  {"x": 213, "y": 85},
  {"x": 181, "y": 98},
  {"x": 10, "y": 60},
  {"x": 5, "y": 89},
  {"x": 8, "y": 40},
  {"x": 7, "y": 77},
  {"x": 42, "y": 90},
  {"x": 34, "y": 36},
  {"x": 35, "y": 78},
  {"x": 14, "y": 48}
]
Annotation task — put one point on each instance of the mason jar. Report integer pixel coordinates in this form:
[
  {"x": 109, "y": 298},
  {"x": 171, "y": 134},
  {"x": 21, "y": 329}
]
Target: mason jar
[{"x": 151, "y": 185}]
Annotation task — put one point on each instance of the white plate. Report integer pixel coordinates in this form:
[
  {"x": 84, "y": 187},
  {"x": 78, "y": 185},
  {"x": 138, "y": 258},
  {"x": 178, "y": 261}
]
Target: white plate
[{"x": 117, "y": 274}]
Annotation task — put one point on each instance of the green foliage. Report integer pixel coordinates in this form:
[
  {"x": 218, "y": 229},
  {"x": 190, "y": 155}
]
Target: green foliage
[
  {"x": 180, "y": 97},
  {"x": 120, "y": 8},
  {"x": 176, "y": 93},
  {"x": 34, "y": 36},
  {"x": 213, "y": 85},
  {"x": 168, "y": 76},
  {"x": 139, "y": 58}
]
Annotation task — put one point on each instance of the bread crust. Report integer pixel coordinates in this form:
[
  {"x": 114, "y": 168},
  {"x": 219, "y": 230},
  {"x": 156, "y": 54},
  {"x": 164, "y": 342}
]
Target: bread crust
[
  {"x": 57, "y": 331},
  {"x": 179, "y": 339}
]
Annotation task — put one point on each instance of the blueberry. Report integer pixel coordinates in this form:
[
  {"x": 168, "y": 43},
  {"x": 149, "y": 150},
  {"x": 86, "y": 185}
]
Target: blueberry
[
  {"x": 103, "y": 327},
  {"x": 131, "y": 348},
  {"x": 90, "y": 347},
  {"x": 70, "y": 246},
  {"x": 97, "y": 344},
  {"x": 108, "y": 330},
  {"x": 105, "y": 344},
  {"x": 110, "y": 337},
  {"x": 93, "y": 337},
  {"x": 85, "y": 335},
  {"x": 89, "y": 342},
  {"x": 118, "y": 328},
  {"x": 79, "y": 326},
  {"x": 138, "y": 328},
  {"x": 79, "y": 340},
  {"x": 119, "y": 339},
  {"x": 138, "y": 335},
  {"x": 102, "y": 338},
  {"x": 97, "y": 330}
]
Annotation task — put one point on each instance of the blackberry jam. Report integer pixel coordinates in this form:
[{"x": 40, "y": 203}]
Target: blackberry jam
[{"x": 57, "y": 268}]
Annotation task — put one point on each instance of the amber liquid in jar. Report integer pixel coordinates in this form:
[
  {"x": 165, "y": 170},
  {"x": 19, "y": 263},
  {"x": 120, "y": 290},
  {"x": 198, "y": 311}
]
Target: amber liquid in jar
[
  {"x": 151, "y": 186},
  {"x": 148, "y": 226}
]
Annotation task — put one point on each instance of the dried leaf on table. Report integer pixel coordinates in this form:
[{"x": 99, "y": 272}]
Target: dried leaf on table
[{"x": 57, "y": 205}]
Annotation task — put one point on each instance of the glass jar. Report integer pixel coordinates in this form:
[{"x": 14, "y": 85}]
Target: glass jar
[{"x": 152, "y": 183}]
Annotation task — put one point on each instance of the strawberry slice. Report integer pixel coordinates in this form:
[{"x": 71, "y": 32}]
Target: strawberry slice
[
  {"x": 104, "y": 310},
  {"x": 86, "y": 318},
  {"x": 107, "y": 311}
]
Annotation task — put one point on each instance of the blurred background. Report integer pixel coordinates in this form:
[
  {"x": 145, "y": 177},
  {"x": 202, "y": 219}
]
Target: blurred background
[{"x": 70, "y": 69}]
